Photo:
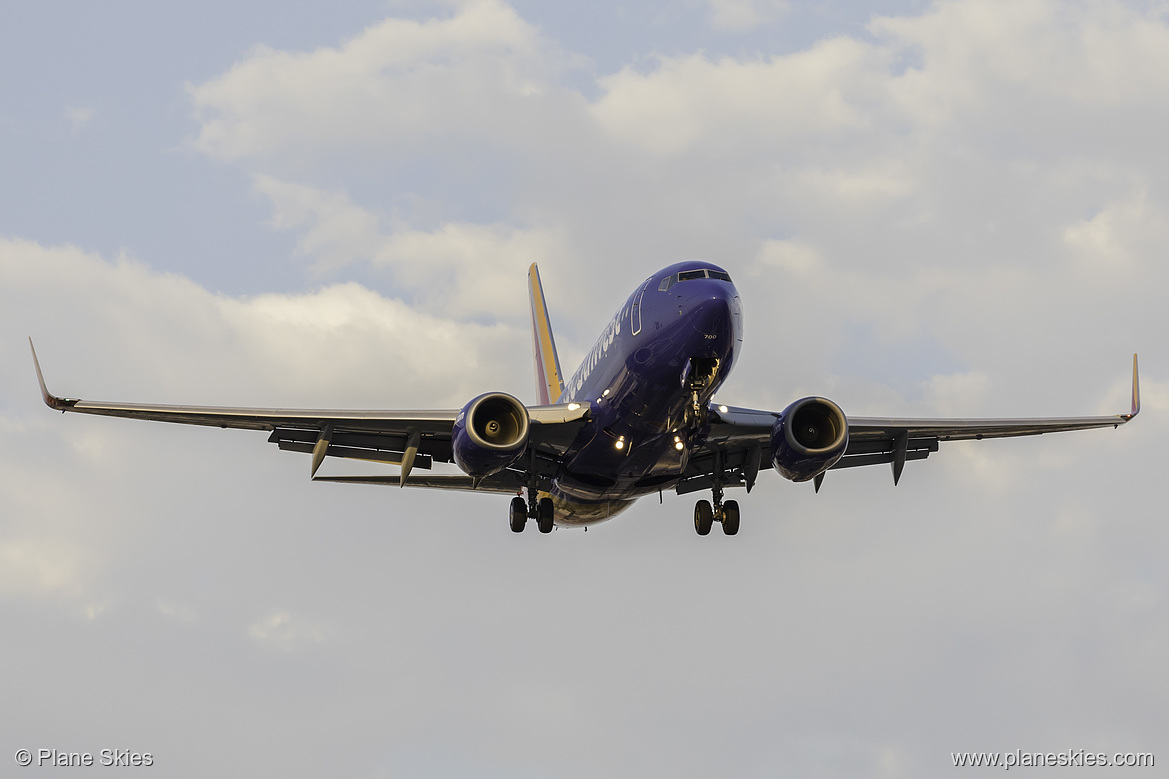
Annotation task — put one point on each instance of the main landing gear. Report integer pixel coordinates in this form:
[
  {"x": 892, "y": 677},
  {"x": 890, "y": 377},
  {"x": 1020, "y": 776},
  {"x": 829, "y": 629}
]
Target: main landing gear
[
  {"x": 540, "y": 510},
  {"x": 726, "y": 513}
]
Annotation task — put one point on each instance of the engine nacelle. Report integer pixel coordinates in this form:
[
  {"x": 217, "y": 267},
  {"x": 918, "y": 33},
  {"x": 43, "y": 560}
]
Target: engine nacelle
[
  {"x": 808, "y": 438},
  {"x": 490, "y": 433}
]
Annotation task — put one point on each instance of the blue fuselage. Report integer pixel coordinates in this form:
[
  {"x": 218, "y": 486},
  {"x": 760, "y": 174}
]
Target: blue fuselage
[{"x": 656, "y": 365}]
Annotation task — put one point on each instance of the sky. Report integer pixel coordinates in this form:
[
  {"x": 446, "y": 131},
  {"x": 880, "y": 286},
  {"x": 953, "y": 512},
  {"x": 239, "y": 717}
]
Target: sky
[{"x": 957, "y": 208}]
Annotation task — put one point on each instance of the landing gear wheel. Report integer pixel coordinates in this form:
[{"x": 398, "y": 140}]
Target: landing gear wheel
[
  {"x": 544, "y": 518},
  {"x": 519, "y": 515},
  {"x": 731, "y": 517},
  {"x": 703, "y": 517}
]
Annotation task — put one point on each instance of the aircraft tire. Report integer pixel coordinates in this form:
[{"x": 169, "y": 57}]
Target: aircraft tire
[
  {"x": 519, "y": 515},
  {"x": 703, "y": 517},
  {"x": 731, "y": 517},
  {"x": 544, "y": 520}
]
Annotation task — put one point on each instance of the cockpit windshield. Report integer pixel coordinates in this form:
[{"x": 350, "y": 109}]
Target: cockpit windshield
[{"x": 688, "y": 275}]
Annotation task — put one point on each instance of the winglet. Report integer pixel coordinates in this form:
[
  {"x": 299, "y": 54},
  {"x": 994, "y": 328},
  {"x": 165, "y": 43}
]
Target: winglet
[
  {"x": 1136, "y": 391},
  {"x": 549, "y": 384},
  {"x": 51, "y": 400}
]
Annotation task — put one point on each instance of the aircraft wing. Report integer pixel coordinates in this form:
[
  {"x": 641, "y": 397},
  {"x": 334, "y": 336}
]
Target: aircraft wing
[
  {"x": 740, "y": 439},
  {"x": 407, "y": 438}
]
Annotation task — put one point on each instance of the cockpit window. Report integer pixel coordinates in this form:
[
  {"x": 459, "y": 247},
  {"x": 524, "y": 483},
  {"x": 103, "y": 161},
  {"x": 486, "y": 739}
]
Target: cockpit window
[{"x": 687, "y": 275}]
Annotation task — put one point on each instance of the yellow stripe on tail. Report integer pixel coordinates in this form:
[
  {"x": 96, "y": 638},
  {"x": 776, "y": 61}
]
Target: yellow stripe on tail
[{"x": 549, "y": 386}]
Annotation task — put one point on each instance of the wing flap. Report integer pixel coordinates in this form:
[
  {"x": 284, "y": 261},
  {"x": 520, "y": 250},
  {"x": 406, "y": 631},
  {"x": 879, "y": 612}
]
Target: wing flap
[{"x": 508, "y": 482}]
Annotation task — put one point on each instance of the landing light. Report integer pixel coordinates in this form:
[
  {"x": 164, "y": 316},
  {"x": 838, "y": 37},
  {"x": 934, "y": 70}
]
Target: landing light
[
  {"x": 722, "y": 409},
  {"x": 620, "y": 444},
  {"x": 605, "y": 394},
  {"x": 678, "y": 445},
  {"x": 573, "y": 406}
]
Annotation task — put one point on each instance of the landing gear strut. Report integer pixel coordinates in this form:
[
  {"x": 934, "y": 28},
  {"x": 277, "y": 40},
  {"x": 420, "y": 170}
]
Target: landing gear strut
[
  {"x": 540, "y": 509},
  {"x": 726, "y": 514}
]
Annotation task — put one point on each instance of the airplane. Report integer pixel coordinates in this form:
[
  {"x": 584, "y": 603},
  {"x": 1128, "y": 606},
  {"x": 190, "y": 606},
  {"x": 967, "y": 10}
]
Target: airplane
[{"x": 637, "y": 417}]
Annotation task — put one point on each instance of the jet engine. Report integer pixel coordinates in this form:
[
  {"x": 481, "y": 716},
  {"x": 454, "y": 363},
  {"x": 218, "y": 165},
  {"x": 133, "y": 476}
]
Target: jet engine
[
  {"x": 490, "y": 433},
  {"x": 808, "y": 438}
]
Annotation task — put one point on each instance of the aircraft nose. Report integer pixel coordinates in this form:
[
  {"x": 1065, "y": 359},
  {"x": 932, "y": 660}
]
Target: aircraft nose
[{"x": 711, "y": 309}]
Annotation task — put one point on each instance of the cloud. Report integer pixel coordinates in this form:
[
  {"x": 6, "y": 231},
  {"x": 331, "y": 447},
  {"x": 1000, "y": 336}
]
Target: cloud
[
  {"x": 1104, "y": 54},
  {"x": 1112, "y": 246},
  {"x": 693, "y": 101},
  {"x": 913, "y": 166},
  {"x": 253, "y": 346},
  {"x": 745, "y": 15},
  {"x": 79, "y": 495},
  {"x": 35, "y": 567},
  {"x": 79, "y": 116},
  {"x": 285, "y": 631},
  {"x": 459, "y": 270},
  {"x": 470, "y": 75}
]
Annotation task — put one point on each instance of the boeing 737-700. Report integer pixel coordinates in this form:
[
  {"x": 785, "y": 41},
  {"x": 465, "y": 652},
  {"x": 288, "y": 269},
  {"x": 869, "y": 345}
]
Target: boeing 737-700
[{"x": 637, "y": 417}]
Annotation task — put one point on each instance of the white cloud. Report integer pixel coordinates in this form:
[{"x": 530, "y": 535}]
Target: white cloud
[
  {"x": 39, "y": 566},
  {"x": 1114, "y": 246},
  {"x": 79, "y": 116},
  {"x": 1107, "y": 54},
  {"x": 470, "y": 75},
  {"x": 175, "y": 611},
  {"x": 286, "y": 631},
  {"x": 293, "y": 349},
  {"x": 459, "y": 270},
  {"x": 955, "y": 395},
  {"x": 738, "y": 105},
  {"x": 745, "y": 15},
  {"x": 791, "y": 257}
]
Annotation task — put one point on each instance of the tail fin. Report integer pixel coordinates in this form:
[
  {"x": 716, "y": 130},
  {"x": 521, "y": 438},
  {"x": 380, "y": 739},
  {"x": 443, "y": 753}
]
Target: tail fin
[{"x": 549, "y": 385}]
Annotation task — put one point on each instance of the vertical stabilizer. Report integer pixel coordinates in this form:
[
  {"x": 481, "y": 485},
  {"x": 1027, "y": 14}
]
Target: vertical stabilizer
[{"x": 549, "y": 386}]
